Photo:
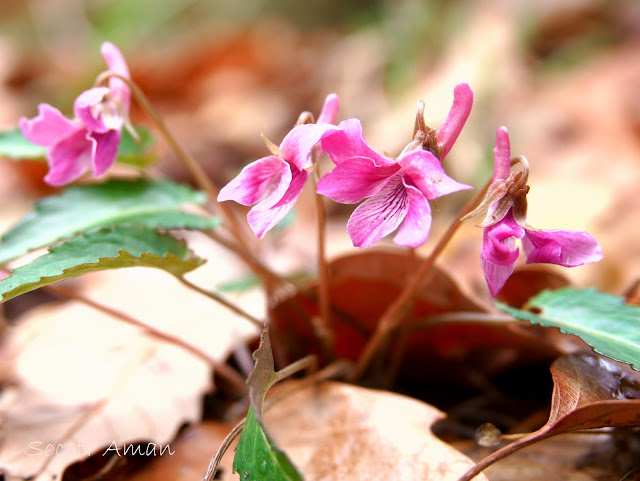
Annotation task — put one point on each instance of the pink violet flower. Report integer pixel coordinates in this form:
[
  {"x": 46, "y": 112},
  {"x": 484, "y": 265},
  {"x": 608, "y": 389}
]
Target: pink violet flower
[
  {"x": 505, "y": 222},
  {"x": 90, "y": 141},
  {"x": 397, "y": 191},
  {"x": 275, "y": 182}
]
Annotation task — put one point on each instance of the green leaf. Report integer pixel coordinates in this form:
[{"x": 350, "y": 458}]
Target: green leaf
[
  {"x": 258, "y": 457},
  {"x": 104, "y": 248},
  {"x": 601, "y": 320},
  {"x": 14, "y": 146},
  {"x": 135, "y": 153},
  {"x": 80, "y": 208}
]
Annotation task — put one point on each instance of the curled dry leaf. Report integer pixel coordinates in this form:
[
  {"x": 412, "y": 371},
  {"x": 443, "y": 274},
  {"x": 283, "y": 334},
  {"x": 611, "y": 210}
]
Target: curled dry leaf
[
  {"x": 336, "y": 432},
  {"x": 590, "y": 391},
  {"x": 451, "y": 329}
]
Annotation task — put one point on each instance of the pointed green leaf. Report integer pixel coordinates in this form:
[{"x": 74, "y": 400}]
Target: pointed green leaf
[
  {"x": 100, "y": 249},
  {"x": 80, "y": 208},
  {"x": 258, "y": 457},
  {"x": 601, "y": 320},
  {"x": 14, "y": 146}
]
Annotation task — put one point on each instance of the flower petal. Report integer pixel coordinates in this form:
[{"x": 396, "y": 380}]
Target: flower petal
[
  {"x": 501, "y": 155},
  {"x": 330, "y": 109},
  {"x": 347, "y": 142},
  {"x": 48, "y": 127},
  {"x": 264, "y": 217},
  {"x": 254, "y": 181},
  {"x": 297, "y": 145},
  {"x": 417, "y": 223},
  {"x": 379, "y": 215},
  {"x": 88, "y": 109},
  {"x": 105, "y": 150},
  {"x": 496, "y": 275},
  {"x": 499, "y": 252},
  {"x": 565, "y": 248},
  {"x": 69, "y": 158},
  {"x": 450, "y": 129},
  {"x": 498, "y": 243},
  {"x": 352, "y": 181},
  {"x": 427, "y": 174},
  {"x": 116, "y": 63}
]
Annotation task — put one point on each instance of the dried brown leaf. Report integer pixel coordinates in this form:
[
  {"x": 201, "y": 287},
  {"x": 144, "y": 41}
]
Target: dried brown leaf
[
  {"x": 590, "y": 391},
  {"x": 336, "y": 431}
]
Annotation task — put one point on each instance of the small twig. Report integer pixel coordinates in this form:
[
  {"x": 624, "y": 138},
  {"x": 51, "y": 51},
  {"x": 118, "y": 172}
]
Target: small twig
[
  {"x": 222, "y": 301},
  {"x": 402, "y": 304},
  {"x": 224, "y": 371}
]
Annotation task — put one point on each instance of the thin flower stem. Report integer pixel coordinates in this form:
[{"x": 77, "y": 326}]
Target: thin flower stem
[
  {"x": 324, "y": 328},
  {"x": 224, "y": 371},
  {"x": 271, "y": 279},
  {"x": 403, "y": 303},
  {"x": 190, "y": 163},
  {"x": 222, "y": 301}
]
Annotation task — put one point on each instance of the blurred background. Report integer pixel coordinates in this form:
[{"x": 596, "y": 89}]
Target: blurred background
[{"x": 562, "y": 76}]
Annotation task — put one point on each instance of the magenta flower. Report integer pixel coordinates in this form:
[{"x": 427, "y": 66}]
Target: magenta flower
[
  {"x": 275, "y": 182},
  {"x": 397, "y": 190},
  {"x": 506, "y": 221},
  {"x": 91, "y": 140}
]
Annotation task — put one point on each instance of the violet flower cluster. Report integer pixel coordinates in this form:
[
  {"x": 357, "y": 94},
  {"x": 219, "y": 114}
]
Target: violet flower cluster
[
  {"x": 89, "y": 141},
  {"x": 394, "y": 193}
]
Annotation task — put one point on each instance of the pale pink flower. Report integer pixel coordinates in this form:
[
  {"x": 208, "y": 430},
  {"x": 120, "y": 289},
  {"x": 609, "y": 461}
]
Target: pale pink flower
[
  {"x": 90, "y": 141},
  {"x": 398, "y": 190},
  {"x": 506, "y": 221},
  {"x": 275, "y": 182}
]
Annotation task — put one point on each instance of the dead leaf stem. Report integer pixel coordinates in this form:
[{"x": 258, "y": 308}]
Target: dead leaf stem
[{"x": 222, "y": 301}]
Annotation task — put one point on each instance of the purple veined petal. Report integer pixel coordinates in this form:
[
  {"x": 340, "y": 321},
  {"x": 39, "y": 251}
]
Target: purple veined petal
[
  {"x": 297, "y": 145},
  {"x": 347, "y": 142},
  {"x": 69, "y": 158},
  {"x": 427, "y": 174},
  {"x": 352, "y": 181},
  {"x": 330, "y": 109},
  {"x": 562, "y": 247},
  {"x": 417, "y": 224},
  {"x": 263, "y": 218},
  {"x": 254, "y": 181},
  {"x": 498, "y": 243},
  {"x": 379, "y": 215},
  {"x": 105, "y": 150},
  {"x": 48, "y": 127},
  {"x": 452, "y": 126},
  {"x": 116, "y": 63},
  {"x": 88, "y": 109},
  {"x": 502, "y": 155},
  {"x": 496, "y": 275}
]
